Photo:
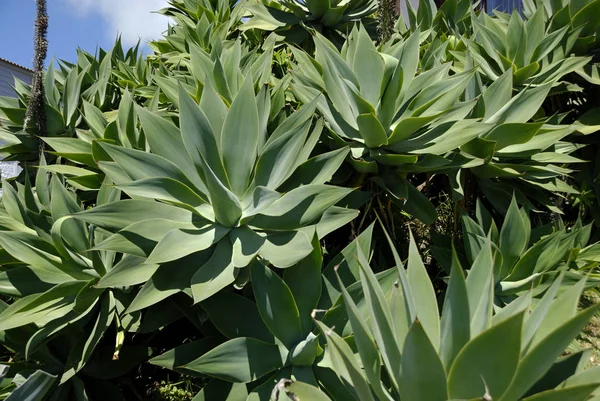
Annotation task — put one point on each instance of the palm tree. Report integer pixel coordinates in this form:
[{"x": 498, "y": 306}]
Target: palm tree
[{"x": 35, "y": 109}]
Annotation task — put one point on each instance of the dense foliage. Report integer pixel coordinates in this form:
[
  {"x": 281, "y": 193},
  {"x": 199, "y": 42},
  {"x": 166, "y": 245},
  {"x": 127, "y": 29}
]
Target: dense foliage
[{"x": 232, "y": 214}]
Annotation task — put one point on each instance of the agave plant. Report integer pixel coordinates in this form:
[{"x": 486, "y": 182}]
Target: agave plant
[
  {"x": 579, "y": 16},
  {"x": 93, "y": 81},
  {"x": 534, "y": 52},
  {"x": 290, "y": 18},
  {"x": 272, "y": 336},
  {"x": 526, "y": 258},
  {"x": 218, "y": 191},
  {"x": 404, "y": 350},
  {"x": 203, "y": 21},
  {"x": 58, "y": 316},
  {"x": 404, "y": 121}
]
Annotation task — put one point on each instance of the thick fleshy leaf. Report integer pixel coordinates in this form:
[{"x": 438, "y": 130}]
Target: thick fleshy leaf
[
  {"x": 365, "y": 344},
  {"x": 279, "y": 157},
  {"x": 276, "y": 305},
  {"x": 285, "y": 249},
  {"x": 487, "y": 361},
  {"x": 54, "y": 303},
  {"x": 514, "y": 238},
  {"x": 121, "y": 214},
  {"x": 423, "y": 376},
  {"x": 541, "y": 357},
  {"x": 165, "y": 283},
  {"x": 240, "y": 360},
  {"x": 165, "y": 140},
  {"x": 35, "y": 388},
  {"x": 199, "y": 138},
  {"x": 423, "y": 295},
  {"x": 182, "y": 242},
  {"x": 345, "y": 364},
  {"x": 217, "y": 273},
  {"x": 236, "y": 316},
  {"x": 480, "y": 282},
  {"x": 246, "y": 245},
  {"x": 130, "y": 270},
  {"x": 239, "y": 140},
  {"x": 299, "y": 207},
  {"x": 84, "y": 347},
  {"x": 183, "y": 354},
  {"x": 379, "y": 313},
  {"x": 455, "y": 322},
  {"x": 226, "y": 205},
  {"x": 304, "y": 281}
]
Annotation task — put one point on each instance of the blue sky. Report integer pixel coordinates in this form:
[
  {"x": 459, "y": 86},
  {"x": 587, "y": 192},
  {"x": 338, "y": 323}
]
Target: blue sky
[{"x": 88, "y": 24}]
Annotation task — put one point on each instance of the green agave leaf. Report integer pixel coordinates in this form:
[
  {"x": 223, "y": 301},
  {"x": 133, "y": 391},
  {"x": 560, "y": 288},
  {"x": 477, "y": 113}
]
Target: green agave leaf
[
  {"x": 498, "y": 94},
  {"x": 130, "y": 270},
  {"x": 418, "y": 205},
  {"x": 380, "y": 316},
  {"x": 236, "y": 316},
  {"x": 345, "y": 364},
  {"x": 512, "y": 133},
  {"x": 239, "y": 140},
  {"x": 563, "y": 307},
  {"x": 184, "y": 354},
  {"x": 305, "y": 282},
  {"x": 514, "y": 237},
  {"x": 35, "y": 388},
  {"x": 84, "y": 306},
  {"x": 222, "y": 390},
  {"x": 365, "y": 344},
  {"x": 140, "y": 238},
  {"x": 523, "y": 106},
  {"x": 423, "y": 376},
  {"x": 164, "y": 283},
  {"x": 368, "y": 67},
  {"x": 84, "y": 347},
  {"x": 285, "y": 249},
  {"x": 276, "y": 305},
  {"x": 423, "y": 295},
  {"x": 279, "y": 157},
  {"x": 303, "y": 391},
  {"x": 217, "y": 273},
  {"x": 139, "y": 165},
  {"x": 225, "y": 203},
  {"x": 541, "y": 356},
  {"x": 480, "y": 284},
  {"x": 73, "y": 149},
  {"x": 299, "y": 207},
  {"x": 182, "y": 242},
  {"x": 122, "y": 214},
  {"x": 165, "y": 140},
  {"x": 13, "y": 205},
  {"x": 246, "y": 245},
  {"x": 371, "y": 130},
  {"x": 488, "y": 360},
  {"x": 52, "y": 304},
  {"x": 579, "y": 393},
  {"x": 455, "y": 323},
  {"x": 240, "y": 360},
  {"x": 215, "y": 110},
  {"x": 199, "y": 139},
  {"x": 534, "y": 320}
]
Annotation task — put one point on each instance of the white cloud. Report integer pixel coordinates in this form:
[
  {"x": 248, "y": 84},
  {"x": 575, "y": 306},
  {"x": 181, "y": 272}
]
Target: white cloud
[{"x": 133, "y": 19}]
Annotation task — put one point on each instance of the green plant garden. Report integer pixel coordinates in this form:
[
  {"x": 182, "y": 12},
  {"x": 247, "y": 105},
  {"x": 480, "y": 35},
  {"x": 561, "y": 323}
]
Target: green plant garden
[{"x": 309, "y": 200}]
